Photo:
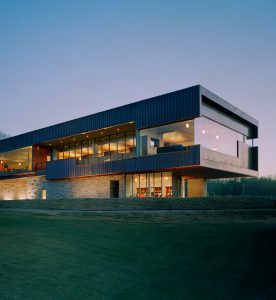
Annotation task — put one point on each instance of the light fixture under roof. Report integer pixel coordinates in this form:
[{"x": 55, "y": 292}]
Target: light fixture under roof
[
  {"x": 217, "y": 137},
  {"x": 203, "y": 131},
  {"x": 187, "y": 125},
  {"x": 74, "y": 139}
]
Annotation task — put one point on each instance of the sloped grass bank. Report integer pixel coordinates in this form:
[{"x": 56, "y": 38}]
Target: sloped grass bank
[
  {"x": 65, "y": 257},
  {"x": 245, "y": 202}
]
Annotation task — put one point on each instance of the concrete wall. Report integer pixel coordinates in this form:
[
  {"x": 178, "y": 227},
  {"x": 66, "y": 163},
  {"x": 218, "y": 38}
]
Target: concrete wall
[{"x": 31, "y": 187}]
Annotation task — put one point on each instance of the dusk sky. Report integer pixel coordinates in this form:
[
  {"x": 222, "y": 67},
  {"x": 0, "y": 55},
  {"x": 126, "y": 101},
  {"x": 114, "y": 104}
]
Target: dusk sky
[{"x": 61, "y": 60}]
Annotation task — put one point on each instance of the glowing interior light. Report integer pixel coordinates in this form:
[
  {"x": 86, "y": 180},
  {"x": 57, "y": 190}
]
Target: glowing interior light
[
  {"x": 203, "y": 131},
  {"x": 217, "y": 137},
  {"x": 74, "y": 139},
  {"x": 1, "y": 161},
  {"x": 19, "y": 164},
  {"x": 87, "y": 136},
  {"x": 187, "y": 125}
]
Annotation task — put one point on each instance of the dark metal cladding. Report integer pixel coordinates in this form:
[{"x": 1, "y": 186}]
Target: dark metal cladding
[
  {"x": 68, "y": 167},
  {"x": 172, "y": 107}
]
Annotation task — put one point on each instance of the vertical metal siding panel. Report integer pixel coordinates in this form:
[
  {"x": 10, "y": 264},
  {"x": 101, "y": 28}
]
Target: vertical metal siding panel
[{"x": 166, "y": 108}]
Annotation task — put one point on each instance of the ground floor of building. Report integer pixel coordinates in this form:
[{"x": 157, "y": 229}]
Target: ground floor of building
[{"x": 160, "y": 184}]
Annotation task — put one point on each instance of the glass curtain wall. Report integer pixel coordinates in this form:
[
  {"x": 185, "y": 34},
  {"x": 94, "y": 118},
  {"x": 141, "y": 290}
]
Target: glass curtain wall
[
  {"x": 200, "y": 131},
  {"x": 166, "y": 138},
  {"x": 149, "y": 185},
  {"x": 216, "y": 137},
  {"x": 16, "y": 160},
  {"x": 105, "y": 148}
]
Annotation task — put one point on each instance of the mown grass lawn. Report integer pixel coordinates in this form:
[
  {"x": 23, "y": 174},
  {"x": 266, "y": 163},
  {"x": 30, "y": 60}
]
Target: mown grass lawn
[{"x": 65, "y": 257}]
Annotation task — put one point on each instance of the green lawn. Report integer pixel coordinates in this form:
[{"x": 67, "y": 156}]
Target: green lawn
[{"x": 83, "y": 257}]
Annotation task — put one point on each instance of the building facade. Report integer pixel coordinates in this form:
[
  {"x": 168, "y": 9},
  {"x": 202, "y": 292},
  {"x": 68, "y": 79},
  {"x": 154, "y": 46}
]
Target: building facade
[{"x": 166, "y": 146}]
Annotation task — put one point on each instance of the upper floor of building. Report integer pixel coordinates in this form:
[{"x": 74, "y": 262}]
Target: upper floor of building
[{"x": 179, "y": 122}]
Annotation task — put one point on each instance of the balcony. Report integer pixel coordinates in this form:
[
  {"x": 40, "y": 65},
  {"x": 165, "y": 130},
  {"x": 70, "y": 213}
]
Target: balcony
[
  {"x": 105, "y": 157},
  {"x": 73, "y": 167}
]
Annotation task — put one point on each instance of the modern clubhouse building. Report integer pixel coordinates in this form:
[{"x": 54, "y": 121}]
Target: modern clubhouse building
[{"x": 166, "y": 146}]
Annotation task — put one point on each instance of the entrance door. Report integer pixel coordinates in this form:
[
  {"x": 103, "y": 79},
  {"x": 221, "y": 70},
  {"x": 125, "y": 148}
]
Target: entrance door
[{"x": 114, "y": 188}]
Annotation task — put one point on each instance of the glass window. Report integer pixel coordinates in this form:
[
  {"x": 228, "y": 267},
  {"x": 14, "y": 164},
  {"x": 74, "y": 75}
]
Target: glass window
[
  {"x": 135, "y": 185},
  {"x": 216, "y": 137},
  {"x": 20, "y": 159},
  {"x": 121, "y": 143},
  {"x": 78, "y": 150},
  {"x": 166, "y": 137},
  {"x": 102, "y": 146},
  {"x": 113, "y": 143},
  {"x": 149, "y": 185},
  {"x": 130, "y": 142},
  {"x": 91, "y": 145},
  {"x": 166, "y": 184},
  {"x": 143, "y": 186}
]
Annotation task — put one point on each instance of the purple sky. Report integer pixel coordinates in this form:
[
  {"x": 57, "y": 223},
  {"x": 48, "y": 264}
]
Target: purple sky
[{"x": 65, "y": 59}]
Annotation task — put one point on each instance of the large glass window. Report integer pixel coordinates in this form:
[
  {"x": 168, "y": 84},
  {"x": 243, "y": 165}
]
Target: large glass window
[
  {"x": 112, "y": 147},
  {"x": 166, "y": 138},
  {"x": 216, "y": 137},
  {"x": 149, "y": 185},
  {"x": 16, "y": 160}
]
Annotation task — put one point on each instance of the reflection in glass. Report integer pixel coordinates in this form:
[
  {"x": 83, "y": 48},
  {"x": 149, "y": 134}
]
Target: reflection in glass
[
  {"x": 216, "y": 137},
  {"x": 165, "y": 138},
  {"x": 16, "y": 160}
]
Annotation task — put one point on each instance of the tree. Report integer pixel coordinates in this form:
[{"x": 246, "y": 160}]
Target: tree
[{"x": 3, "y": 135}]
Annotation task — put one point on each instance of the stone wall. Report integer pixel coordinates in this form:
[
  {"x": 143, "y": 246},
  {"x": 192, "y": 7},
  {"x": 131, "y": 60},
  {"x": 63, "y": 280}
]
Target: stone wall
[
  {"x": 13, "y": 189},
  {"x": 89, "y": 187},
  {"x": 32, "y": 187}
]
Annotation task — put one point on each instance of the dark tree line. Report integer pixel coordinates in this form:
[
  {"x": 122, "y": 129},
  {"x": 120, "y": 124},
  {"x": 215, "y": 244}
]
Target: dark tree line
[
  {"x": 263, "y": 186},
  {"x": 3, "y": 135}
]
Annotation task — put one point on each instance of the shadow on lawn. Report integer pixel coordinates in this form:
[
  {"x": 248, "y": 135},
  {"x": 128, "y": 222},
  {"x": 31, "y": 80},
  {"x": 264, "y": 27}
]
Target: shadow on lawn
[{"x": 260, "y": 277}]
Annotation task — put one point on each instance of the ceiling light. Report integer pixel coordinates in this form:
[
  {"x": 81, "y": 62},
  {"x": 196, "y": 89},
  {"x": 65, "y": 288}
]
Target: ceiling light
[
  {"x": 187, "y": 125},
  {"x": 1, "y": 161},
  {"x": 87, "y": 136},
  {"x": 19, "y": 164},
  {"x": 203, "y": 131},
  {"x": 118, "y": 129},
  {"x": 217, "y": 137},
  {"x": 50, "y": 144}
]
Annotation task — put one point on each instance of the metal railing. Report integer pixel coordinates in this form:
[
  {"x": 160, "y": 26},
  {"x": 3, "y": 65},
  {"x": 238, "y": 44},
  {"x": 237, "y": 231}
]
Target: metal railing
[{"x": 105, "y": 156}]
